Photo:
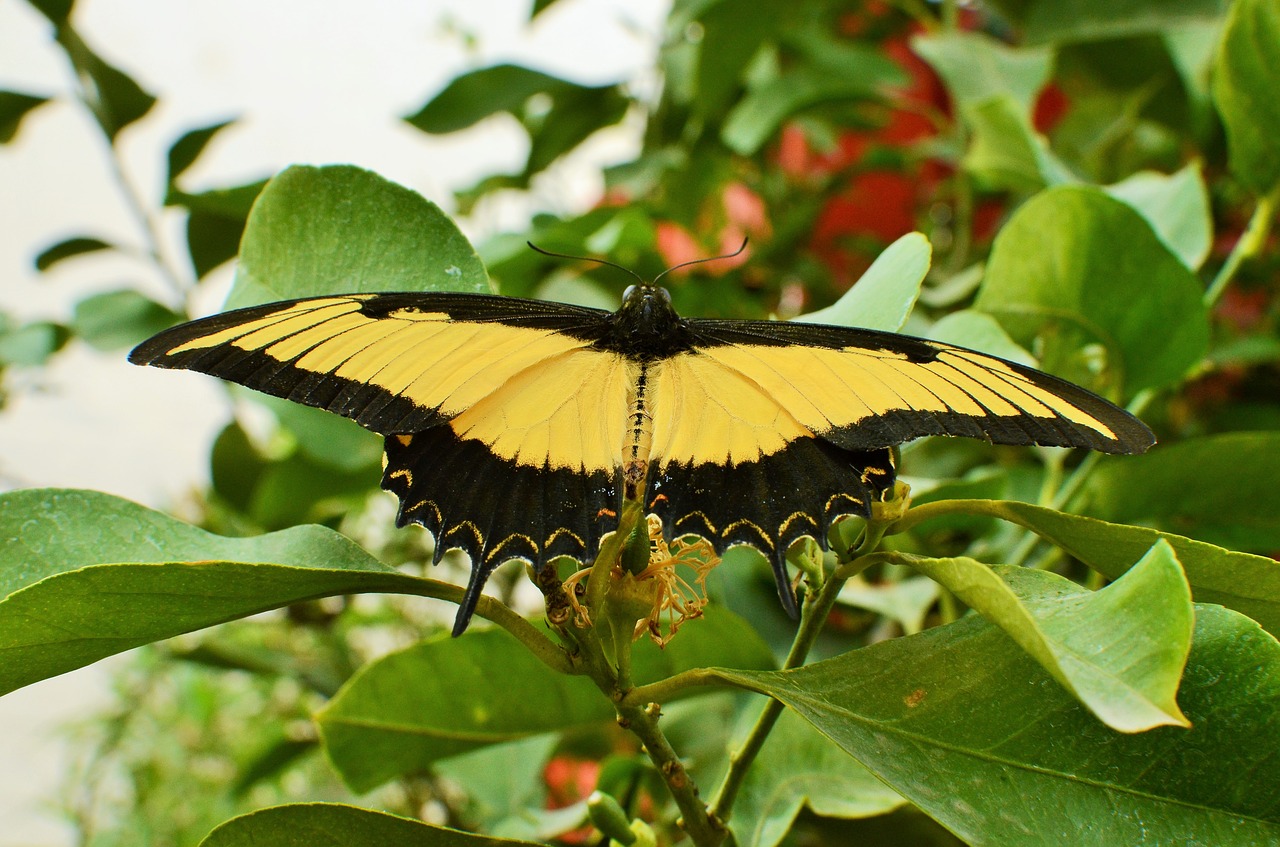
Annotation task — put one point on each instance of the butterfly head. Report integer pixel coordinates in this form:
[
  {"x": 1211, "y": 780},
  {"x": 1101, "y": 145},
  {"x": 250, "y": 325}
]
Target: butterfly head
[{"x": 646, "y": 323}]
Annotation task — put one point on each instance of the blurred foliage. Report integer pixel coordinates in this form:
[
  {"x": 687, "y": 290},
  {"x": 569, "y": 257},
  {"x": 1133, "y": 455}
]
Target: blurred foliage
[{"x": 1096, "y": 179}]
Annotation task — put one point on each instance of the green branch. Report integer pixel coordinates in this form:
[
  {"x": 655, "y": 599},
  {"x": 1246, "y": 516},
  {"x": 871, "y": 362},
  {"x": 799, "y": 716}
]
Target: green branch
[{"x": 547, "y": 651}]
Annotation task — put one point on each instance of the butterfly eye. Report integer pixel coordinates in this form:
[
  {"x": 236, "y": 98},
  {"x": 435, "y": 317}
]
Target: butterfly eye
[
  {"x": 626, "y": 295},
  {"x": 665, "y": 294}
]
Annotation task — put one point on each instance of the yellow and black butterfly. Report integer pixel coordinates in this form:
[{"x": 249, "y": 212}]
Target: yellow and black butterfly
[{"x": 512, "y": 425}]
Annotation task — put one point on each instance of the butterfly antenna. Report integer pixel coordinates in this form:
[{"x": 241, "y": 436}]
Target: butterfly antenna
[
  {"x": 738, "y": 252},
  {"x": 537, "y": 249}
]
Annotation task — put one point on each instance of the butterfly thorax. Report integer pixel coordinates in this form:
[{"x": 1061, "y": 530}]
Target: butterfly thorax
[{"x": 646, "y": 326}]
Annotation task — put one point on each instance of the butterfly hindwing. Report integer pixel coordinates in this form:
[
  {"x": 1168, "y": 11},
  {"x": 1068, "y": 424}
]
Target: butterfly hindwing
[
  {"x": 771, "y": 501},
  {"x": 495, "y": 509}
]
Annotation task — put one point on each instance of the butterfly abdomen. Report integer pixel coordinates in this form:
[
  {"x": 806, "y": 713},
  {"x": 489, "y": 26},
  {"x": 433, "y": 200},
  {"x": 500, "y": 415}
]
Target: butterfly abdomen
[{"x": 638, "y": 446}]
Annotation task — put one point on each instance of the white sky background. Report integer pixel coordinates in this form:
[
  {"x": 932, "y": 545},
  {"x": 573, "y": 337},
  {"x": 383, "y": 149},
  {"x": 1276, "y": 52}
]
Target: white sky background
[{"x": 313, "y": 82}]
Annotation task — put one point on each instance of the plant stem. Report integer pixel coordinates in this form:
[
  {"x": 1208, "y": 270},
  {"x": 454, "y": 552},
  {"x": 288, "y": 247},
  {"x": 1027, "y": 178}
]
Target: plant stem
[
  {"x": 133, "y": 202},
  {"x": 548, "y": 652},
  {"x": 812, "y": 617},
  {"x": 704, "y": 828},
  {"x": 147, "y": 226},
  {"x": 814, "y": 614},
  {"x": 1251, "y": 242}
]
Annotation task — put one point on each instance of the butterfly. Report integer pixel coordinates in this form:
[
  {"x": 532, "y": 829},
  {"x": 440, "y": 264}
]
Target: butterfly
[{"x": 513, "y": 426}]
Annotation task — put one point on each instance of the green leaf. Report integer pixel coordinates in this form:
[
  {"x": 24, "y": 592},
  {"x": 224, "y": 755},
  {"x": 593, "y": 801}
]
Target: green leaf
[
  {"x": 1236, "y": 507},
  {"x": 983, "y": 481},
  {"x": 84, "y": 575},
  {"x": 336, "y": 825},
  {"x": 1245, "y": 86},
  {"x": 56, "y": 11},
  {"x": 111, "y": 95},
  {"x": 759, "y": 115},
  {"x": 474, "y": 96},
  {"x": 729, "y": 41},
  {"x": 906, "y": 602},
  {"x": 884, "y": 296},
  {"x": 215, "y": 223},
  {"x": 1055, "y": 22},
  {"x": 235, "y": 466},
  {"x": 977, "y": 67},
  {"x": 970, "y": 729},
  {"x": 979, "y": 331},
  {"x": 1006, "y": 152},
  {"x": 1192, "y": 49},
  {"x": 442, "y": 697},
  {"x": 1176, "y": 206},
  {"x": 271, "y": 762},
  {"x": 32, "y": 343},
  {"x": 501, "y": 781},
  {"x": 14, "y": 106},
  {"x": 576, "y": 113},
  {"x": 117, "y": 319},
  {"x": 1241, "y": 581},
  {"x": 1074, "y": 267},
  {"x": 188, "y": 148},
  {"x": 1120, "y": 650},
  {"x": 68, "y": 248},
  {"x": 343, "y": 230},
  {"x": 540, "y": 6},
  {"x": 994, "y": 88},
  {"x": 799, "y": 767},
  {"x": 557, "y": 114}
]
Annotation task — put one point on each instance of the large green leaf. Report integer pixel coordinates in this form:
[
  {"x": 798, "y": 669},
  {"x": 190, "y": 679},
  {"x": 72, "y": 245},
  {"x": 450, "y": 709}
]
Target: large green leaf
[
  {"x": 340, "y": 229},
  {"x": 336, "y": 825},
  {"x": 1120, "y": 650},
  {"x": 1240, "y": 581},
  {"x": 1245, "y": 86},
  {"x": 14, "y": 106},
  {"x": 1074, "y": 268},
  {"x": 970, "y": 729},
  {"x": 799, "y": 767},
  {"x": 439, "y": 698},
  {"x": 84, "y": 575},
  {"x": 883, "y": 297},
  {"x": 1236, "y": 505}
]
